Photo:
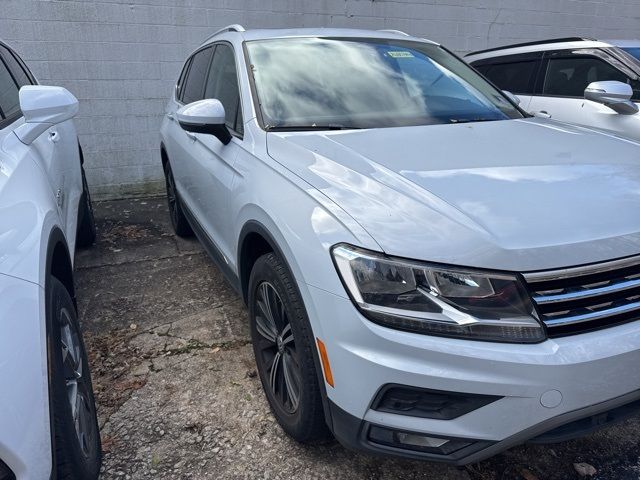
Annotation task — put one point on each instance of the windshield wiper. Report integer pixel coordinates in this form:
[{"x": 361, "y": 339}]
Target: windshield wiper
[
  {"x": 303, "y": 128},
  {"x": 469, "y": 120}
]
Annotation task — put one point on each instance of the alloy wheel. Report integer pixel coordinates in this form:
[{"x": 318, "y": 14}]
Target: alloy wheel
[
  {"x": 277, "y": 349},
  {"x": 78, "y": 394}
]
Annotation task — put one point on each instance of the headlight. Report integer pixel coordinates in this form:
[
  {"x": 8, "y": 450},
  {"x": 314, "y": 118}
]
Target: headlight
[{"x": 438, "y": 300}]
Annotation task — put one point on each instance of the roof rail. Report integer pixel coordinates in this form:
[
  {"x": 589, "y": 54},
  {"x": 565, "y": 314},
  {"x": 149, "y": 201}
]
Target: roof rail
[
  {"x": 399, "y": 32},
  {"x": 229, "y": 28},
  {"x": 529, "y": 44}
]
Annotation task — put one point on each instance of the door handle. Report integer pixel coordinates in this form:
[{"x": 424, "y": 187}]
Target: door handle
[
  {"x": 171, "y": 117},
  {"x": 542, "y": 114},
  {"x": 192, "y": 136},
  {"x": 54, "y": 136}
]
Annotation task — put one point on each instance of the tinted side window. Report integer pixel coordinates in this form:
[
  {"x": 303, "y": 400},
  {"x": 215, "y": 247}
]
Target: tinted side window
[
  {"x": 181, "y": 79},
  {"x": 516, "y": 77},
  {"x": 568, "y": 77},
  {"x": 223, "y": 85},
  {"x": 193, "y": 88},
  {"x": 21, "y": 77},
  {"x": 483, "y": 69},
  {"x": 9, "y": 101}
]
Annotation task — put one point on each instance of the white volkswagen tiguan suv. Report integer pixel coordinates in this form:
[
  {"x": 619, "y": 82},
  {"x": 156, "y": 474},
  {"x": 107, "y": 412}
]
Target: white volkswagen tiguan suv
[
  {"x": 48, "y": 426},
  {"x": 576, "y": 80},
  {"x": 429, "y": 271}
]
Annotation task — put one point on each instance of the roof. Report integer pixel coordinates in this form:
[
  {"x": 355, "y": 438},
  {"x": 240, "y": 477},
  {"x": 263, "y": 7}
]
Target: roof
[
  {"x": 270, "y": 33},
  {"x": 536, "y": 42}
]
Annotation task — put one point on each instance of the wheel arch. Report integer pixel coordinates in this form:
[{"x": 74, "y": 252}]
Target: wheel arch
[
  {"x": 164, "y": 157},
  {"x": 59, "y": 261},
  {"x": 254, "y": 241}
]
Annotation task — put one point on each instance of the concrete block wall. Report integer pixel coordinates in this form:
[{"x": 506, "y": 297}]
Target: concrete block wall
[{"x": 121, "y": 57}]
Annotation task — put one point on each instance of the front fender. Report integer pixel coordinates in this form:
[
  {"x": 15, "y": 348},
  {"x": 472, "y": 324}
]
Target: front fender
[{"x": 28, "y": 215}]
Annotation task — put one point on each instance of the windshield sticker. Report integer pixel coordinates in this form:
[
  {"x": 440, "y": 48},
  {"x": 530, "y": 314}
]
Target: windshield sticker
[{"x": 400, "y": 54}]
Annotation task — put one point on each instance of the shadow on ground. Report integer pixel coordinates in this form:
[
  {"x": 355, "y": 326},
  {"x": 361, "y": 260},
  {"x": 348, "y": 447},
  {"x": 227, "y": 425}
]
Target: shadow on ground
[{"x": 177, "y": 391}]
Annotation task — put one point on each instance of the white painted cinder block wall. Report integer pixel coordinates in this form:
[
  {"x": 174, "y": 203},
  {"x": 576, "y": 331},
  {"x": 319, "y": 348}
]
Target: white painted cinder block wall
[{"x": 121, "y": 57}]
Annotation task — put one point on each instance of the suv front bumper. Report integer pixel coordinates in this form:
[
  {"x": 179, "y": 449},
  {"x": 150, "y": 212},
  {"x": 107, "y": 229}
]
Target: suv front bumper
[{"x": 542, "y": 386}]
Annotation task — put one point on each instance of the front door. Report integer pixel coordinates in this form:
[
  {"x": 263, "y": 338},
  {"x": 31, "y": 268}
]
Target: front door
[
  {"x": 566, "y": 77},
  {"x": 213, "y": 162}
]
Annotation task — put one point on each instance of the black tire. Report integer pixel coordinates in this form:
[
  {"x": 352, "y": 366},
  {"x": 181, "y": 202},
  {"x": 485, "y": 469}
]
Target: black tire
[
  {"x": 179, "y": 222},
  {"x": 77, "y": 447},
  {"x": 302, "y": 417},
  {"x": 86, "y": 234}
]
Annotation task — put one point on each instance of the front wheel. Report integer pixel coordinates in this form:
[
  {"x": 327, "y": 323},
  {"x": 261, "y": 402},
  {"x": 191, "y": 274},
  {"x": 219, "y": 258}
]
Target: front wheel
[
  {"x": 283, "y": 347},
  {"x": 77, "y": 451}
]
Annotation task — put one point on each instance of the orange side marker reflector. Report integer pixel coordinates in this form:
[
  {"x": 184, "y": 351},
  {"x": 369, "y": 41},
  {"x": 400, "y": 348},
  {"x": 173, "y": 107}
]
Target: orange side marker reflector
[{"x": 324, "y": 358}]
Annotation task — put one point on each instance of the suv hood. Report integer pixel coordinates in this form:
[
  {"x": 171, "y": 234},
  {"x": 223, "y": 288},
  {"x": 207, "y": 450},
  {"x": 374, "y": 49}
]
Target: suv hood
[{"x": 517, "y": 195}]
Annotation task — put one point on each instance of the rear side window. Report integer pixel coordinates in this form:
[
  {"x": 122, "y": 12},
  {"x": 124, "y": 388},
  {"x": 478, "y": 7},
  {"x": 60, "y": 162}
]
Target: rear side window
[
  {"x": 193, "y": 88},
  {"x": 222, "y": 85},
  {"x": 568, "y": 77},
  {"x": 516, "y": 77}
]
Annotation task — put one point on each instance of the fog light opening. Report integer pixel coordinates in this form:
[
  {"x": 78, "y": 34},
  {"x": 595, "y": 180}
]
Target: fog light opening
[
  {"x": 415, "y": 441},
  {"x": 420, "y": 440}
]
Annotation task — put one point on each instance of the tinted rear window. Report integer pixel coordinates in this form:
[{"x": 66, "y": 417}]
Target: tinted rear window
[{"x": 516, "y": 77}]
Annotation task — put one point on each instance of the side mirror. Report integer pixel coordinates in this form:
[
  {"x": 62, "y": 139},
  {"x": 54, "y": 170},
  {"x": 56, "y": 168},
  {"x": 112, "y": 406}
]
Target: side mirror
[
  {"x": 42, "y": 108},
  {"x": 615, "y": 95},
  {"x": 511, "y": 97},
  {"x": 205, "y": 116}
]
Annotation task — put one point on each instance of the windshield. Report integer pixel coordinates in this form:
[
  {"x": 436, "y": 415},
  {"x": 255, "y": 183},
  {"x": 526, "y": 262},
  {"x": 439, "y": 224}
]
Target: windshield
[{"x": 338, "y": 83}]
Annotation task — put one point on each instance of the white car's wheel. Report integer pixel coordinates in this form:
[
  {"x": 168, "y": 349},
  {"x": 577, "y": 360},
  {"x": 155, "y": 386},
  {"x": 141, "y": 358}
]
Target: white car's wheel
[{"x": 76, "y": 435}]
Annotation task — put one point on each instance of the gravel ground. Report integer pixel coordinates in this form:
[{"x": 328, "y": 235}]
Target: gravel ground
[{"x": 177, "y": 391}]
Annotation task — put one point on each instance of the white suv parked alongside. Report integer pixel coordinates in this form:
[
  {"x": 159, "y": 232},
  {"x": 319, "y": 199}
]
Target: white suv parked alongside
[
  {"x": 581, "y": 81},
  {"x": 48, "y": 426},
  {"x": 429, "y": 271}
]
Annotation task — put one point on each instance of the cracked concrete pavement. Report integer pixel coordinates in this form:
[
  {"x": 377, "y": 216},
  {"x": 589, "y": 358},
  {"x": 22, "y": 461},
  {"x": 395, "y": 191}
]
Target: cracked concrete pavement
[{"x": 177, "y": 391}]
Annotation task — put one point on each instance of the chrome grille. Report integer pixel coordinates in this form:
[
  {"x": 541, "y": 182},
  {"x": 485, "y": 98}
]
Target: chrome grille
[{"x": 581, "y": 299}]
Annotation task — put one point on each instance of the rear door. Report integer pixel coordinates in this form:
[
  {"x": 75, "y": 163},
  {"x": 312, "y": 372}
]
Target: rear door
[
  {"x": 514, "y": 73},
  {"x": 563, "y": 79}
]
